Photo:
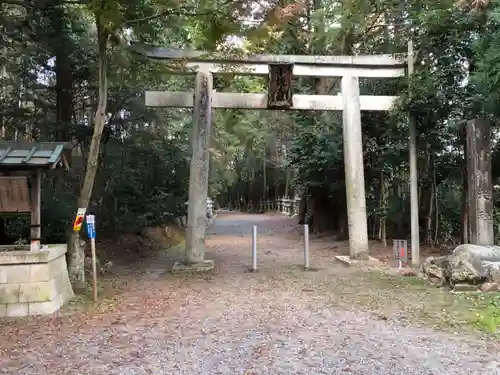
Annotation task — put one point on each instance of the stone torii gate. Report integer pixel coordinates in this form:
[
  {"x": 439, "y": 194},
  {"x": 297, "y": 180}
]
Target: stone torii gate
[{"x": 281, "y": 68}]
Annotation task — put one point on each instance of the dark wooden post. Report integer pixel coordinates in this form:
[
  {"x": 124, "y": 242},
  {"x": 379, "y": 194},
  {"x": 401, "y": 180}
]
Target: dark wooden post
[{"x": 479, "y": 184}]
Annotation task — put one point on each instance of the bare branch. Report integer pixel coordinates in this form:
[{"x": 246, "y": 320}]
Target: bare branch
[{"x": 183, "y": 11}]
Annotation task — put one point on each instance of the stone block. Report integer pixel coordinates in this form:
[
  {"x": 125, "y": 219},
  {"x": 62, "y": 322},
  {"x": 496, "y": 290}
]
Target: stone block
[
  {"x": 66, "y": 290},
  {"x": 23, "y": 257},
  {"x": 41, "y": 291},
  {"x": 45, "y": 308},
  {"x": 181, "y": 267},
  {"x": 345, "y": 259},
  {"x": 17, "y": 273},
  {"x": 62, "y": 283},
  {"x": 3, "y": 275},
  {"x": 34, "y": 283},
  {"x": 67, "y": 296},
  {"x": 40, "y": 272},
  {"x": 490, "y": 287},
  {"x": 57, "y": 266},
  {"x": 15, "y": 310},
  {"x": 9, "y": 293},
  {"x": 29, "y": 257},
  {"x": 59, "y": 283},
  {"x": 63, "y": 286},
  {"x": 463, "y": 287},
  {"x": 47, "y": 271}
]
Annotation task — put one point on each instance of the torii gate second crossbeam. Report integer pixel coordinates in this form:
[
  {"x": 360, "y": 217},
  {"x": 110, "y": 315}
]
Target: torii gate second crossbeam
[{"x": 350, "y": 68}]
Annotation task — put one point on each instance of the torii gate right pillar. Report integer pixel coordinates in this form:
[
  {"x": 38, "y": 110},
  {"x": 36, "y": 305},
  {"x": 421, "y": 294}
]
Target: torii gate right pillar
[{"x": 354, "y": 170}]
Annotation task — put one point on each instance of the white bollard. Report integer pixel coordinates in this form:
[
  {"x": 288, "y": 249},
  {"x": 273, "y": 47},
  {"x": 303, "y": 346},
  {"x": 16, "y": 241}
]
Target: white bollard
[
  {"x": 306, "y": 247},
  {"x": 254, "y": 248}
]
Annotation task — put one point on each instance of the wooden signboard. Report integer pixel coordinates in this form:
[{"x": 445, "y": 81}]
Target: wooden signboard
[
  {"x": 14, "y": 194},
  {"x": 280, "y": 86}
]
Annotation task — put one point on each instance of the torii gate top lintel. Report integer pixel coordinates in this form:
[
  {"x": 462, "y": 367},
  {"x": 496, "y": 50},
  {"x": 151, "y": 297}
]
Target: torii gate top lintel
[
  {"x": 376, "y": 66},
  {"x": 194, "y": 56}
]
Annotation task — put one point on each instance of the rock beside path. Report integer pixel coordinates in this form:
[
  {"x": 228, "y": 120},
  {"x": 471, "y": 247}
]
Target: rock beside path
[{"x": 467, "y": 264}]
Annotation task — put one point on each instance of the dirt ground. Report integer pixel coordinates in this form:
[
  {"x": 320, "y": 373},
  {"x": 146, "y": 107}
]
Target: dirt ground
[{"x": 280, "y": 320}]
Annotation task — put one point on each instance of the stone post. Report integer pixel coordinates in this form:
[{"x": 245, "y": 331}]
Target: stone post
[
  {"x": 296, "y": 207},
  {"x": 413, "y": 156},
  {"x": 354, "y": 172},
  {"x": 479, "y": 182},
  {"x": 198, "y": 173}
]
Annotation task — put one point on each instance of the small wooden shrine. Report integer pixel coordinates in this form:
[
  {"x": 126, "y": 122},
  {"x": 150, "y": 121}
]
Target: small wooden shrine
[{"x": 21, "y": 168}]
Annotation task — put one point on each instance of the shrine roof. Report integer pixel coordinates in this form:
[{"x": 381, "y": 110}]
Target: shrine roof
[{"x": 29, "y": 155}]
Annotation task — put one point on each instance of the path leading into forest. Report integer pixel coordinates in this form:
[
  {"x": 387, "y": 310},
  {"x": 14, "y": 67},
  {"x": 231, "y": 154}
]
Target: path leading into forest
[{"x": 277, "y": 321}]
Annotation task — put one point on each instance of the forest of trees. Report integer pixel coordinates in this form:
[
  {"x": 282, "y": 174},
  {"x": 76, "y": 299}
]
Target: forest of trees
[{"x": 67, "y": 74}]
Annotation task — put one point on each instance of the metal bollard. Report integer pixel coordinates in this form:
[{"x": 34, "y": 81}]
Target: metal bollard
[
  {"x": 254, "y": 248},
  {"x": 306, "y": 247}
]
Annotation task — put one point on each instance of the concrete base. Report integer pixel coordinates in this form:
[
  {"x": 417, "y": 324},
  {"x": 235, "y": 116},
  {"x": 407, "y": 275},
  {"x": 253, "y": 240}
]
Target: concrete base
[
  {"x": 33, "y": 282},
  {"x": 310, "y": 269},
  {"x": 345, "y": 259},
  {"x": 181, "y": 267}
]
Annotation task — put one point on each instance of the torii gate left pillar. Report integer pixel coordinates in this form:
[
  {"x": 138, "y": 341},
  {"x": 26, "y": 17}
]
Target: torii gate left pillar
[{"x": 198, "y": 177}]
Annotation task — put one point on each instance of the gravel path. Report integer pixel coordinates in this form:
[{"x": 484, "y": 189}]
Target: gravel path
[{"x": 234, "y": 322}]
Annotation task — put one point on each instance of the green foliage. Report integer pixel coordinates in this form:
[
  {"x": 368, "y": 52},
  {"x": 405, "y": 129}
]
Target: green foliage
[
  {"x": 144, "y": 182},
  {"x": 318, "y": 151},
  {"x": 487, "y": 317},
  {"x": 143, "y": 174}
]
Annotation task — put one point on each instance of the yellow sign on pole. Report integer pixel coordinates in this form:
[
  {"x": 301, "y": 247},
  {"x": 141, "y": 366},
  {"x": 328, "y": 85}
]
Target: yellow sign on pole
[{"x": 77, "y": 224}]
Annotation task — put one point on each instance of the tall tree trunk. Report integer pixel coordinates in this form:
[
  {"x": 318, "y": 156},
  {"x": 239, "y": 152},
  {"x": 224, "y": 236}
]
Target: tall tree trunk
[
  {"x": 60, "y": 27},
  {"x": 426, "y": 197},
  {"x": 250, "y": 188},
  {"x": 273, "y": 157},
  {"x": 76, "y": 254},
  {"x": 403, "y": 200},
  {"x": 288, "y": 173},
  {"x": 264, "y": 177},
  {"x": 3, "y": 94},
  {"x": 383, "y": 206},
  {"x": 343, "y": 230},
  {"x": 464, "y": 210},
  {"x": 64, "y": 95},
  {"x": 436, "y": 203},
  {"x": 303, "y": 206},
  {"x": 428, "y": 218}
]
